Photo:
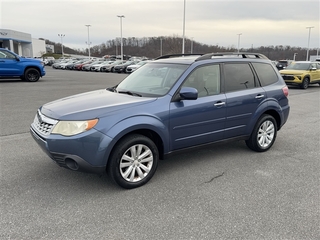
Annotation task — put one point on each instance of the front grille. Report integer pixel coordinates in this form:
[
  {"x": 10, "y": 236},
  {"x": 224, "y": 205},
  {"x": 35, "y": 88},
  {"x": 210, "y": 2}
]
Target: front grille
[
  {"x": 43, "y": 124},
  {"x": 287, "y": 77}
]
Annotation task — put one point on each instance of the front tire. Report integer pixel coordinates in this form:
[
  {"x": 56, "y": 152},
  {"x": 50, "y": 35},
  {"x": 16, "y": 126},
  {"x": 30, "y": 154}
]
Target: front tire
[
  {"x": 305, "y": 83},
  {"x": 32, "y": 75},
  {"x": 263, "y": 135},
  {"x": 133, "y": 161}
]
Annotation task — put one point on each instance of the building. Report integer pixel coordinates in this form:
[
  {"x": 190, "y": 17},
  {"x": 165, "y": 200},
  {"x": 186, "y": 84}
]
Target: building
[
  {"x": 50, "y": 48},
  {"x": 314, "y": 58},
  {"x": 22, "y": 43}
]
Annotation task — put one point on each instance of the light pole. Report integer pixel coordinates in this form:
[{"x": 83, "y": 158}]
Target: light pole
[
  {"x": 160, "y": 46},
  {"x": 88, "y": 39},
  {"x": 191, "y": 50},
  {"x": 61, "y": 36},
  {"x": 239, "y": 34},
  {"x": 184, "y": 25},
  {"x": 121, "y": 16},
  {"x": 308, "y": 43}
]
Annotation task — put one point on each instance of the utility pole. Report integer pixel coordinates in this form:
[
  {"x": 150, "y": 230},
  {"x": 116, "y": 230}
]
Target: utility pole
[
  {"x": 61, "y": 36},
  {"x": 88, "y": 39},
  {"x": 307, "y": 59},
  {"x": 121, "y": 16}
]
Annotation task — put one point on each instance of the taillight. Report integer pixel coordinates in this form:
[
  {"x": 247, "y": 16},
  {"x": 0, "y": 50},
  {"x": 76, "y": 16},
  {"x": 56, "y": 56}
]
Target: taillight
[{"x": 285, "y": 91}]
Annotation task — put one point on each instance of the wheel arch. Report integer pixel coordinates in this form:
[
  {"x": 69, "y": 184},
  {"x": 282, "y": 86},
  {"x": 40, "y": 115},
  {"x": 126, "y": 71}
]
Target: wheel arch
[
  {"x": 275, "y": 115},
  {"x": 272, "y": 110},
  {"x": 307, "y": 76},
  {"x": 32, "y": 67},
  {"x": 146, "y": 126}
]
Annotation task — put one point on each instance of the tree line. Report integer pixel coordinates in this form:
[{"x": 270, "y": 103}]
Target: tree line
[{"x": 152, "y": 47}]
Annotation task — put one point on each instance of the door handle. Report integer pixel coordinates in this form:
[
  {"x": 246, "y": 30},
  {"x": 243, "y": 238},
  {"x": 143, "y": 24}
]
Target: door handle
[
  {"x": 218, "y": 104},
  {"x": 259, "y": 96}
]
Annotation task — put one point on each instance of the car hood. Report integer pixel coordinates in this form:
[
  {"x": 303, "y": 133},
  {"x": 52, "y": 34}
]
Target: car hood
[
  {"x": 91, "y": 105},
  {"x": 293, "y": 72},
  {"x": 29, "y": 60}
]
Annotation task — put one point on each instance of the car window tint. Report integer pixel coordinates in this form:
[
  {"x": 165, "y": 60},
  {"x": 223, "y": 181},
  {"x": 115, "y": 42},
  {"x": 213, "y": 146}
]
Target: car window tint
[
  {"x": 238, "y": 76},
  {"x": 5, "y": 54},
  {"x": 266, "y": 73},
  {"x": 205, "y": 79}
]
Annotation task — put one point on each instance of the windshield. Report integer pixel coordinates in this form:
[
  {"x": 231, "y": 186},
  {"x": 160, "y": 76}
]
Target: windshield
[
  {"x": 299, "y": 66},
  {"x": 152, "y": 79}
]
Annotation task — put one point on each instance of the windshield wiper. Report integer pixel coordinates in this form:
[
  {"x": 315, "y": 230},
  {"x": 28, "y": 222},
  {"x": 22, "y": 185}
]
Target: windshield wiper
[{"x": 131, "y": 93}]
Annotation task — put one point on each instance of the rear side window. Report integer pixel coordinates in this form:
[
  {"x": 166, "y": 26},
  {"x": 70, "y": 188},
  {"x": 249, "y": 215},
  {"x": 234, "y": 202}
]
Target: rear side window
[
  {"x": 238, "y": 76},
  {"x": 266, "y": 73}
]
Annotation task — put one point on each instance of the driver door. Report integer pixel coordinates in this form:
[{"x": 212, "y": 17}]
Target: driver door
[{"x": 200, "y": 121}]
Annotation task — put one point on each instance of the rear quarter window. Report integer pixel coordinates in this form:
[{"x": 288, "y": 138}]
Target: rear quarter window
[{"x": 266, "y": 73}]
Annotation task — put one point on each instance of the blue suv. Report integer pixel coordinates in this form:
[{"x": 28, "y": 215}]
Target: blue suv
[
  {"x": 14, "y": 66},
  {"x": 173, "y": 103}
]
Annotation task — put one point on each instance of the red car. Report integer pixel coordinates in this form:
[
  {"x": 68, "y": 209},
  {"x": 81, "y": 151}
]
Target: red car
[{"x": 79, "y": 66}]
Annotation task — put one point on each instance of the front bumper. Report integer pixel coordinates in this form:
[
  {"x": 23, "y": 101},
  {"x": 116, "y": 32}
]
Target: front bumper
[
  {"x": 84, "y": 152},
  {"x": 292, "y": 79}
]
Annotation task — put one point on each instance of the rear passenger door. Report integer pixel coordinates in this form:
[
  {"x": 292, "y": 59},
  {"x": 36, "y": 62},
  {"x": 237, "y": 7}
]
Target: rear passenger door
[{"x": 243, "y": 96}]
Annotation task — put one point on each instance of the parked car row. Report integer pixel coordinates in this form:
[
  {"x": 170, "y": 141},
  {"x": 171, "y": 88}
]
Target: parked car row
[{"x": 100, "y": 65}]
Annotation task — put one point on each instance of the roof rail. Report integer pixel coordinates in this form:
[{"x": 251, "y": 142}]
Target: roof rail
[
  {"x": 231, "y": 54},
  {"x": 178, "y": 55}
]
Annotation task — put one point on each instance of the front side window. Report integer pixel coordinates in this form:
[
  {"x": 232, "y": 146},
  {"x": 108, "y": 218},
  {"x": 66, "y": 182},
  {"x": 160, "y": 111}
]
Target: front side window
[
  {"x": 205, "y": 79},
  {"x": 313, "y": 65},
  {"x": 238, "y": 76},
  {"x": 152, "y": 79},
  {"x": 5, "y": 54}
]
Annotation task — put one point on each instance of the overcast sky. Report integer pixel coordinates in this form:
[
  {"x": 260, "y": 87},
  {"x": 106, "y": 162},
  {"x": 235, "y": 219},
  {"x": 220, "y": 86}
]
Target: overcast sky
[{"x": 260, "y": 22}]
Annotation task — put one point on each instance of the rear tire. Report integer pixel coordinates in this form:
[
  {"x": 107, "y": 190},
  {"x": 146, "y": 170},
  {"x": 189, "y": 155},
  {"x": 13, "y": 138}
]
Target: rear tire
[
  {"x": 133, "y": 161},
  {"x": 32, "y": 75},
  {"x": 263, "y": 135}
]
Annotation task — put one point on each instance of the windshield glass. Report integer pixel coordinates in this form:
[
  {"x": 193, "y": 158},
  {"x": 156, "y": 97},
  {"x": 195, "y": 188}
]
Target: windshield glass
[
  {"x": 152, "y": 79},
  {"x": 299, "y": 66}
]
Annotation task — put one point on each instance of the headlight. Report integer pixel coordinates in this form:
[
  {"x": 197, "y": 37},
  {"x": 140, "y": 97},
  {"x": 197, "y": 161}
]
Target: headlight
[{"x": 69, "y": 128}]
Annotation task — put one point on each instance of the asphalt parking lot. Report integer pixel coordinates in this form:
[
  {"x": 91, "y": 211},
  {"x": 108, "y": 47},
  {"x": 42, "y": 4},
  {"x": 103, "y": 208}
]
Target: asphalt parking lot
[{"x": 221, "y": 192}]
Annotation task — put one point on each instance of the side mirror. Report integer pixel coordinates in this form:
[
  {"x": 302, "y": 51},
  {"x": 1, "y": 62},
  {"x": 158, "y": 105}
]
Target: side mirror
[{"x": 188, "y": 93}]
